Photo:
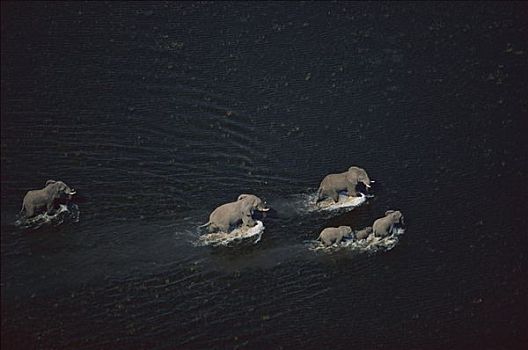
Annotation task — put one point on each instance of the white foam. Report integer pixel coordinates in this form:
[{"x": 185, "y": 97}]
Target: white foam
[
  {"x": 369, "y": 244},
  {"x": 65, "y": 212},
  {"x": 238, "y": 235},
  {"x": 343, "y": 202}
]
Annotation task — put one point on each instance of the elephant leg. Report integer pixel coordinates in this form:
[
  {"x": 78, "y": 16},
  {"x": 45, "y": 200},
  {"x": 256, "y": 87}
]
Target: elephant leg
[
  {"x": 218, "y": 228},
  {"x": 50, "y": 208},
  {"x": 351, "y": 191},
  {"x": 335, "y": 196},
  {"x": 339, "y": 239},
  {"x": 383, "y": 233},
  {"x": 30, "y": 211},
  {"x": 248, "y": 221},
  {"x": 320, "y": 196}
]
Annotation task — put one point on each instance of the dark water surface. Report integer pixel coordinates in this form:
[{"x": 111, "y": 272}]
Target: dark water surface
[{"x": 156, "y": 113}]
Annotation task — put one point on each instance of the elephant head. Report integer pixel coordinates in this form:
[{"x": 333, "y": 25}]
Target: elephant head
[
  {"x": 58, "y": 189},
  {"x": 254, "y": 202},
  {"x": 356, "y": 174},
  {"x": 345, "y": 230},
  {"x": 395, "y": 216}
]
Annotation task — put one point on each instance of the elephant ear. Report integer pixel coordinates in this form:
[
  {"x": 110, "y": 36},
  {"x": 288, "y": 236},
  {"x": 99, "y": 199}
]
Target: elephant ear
[
  {"x": 54, "y": 189},
  {"x": 352, "y": 175},
  {"x": 389, "y": 212},
  {"x": 242, "y": 196},
  {"x": 363, "y": 174},
  {"x": 49, "y": 182}
]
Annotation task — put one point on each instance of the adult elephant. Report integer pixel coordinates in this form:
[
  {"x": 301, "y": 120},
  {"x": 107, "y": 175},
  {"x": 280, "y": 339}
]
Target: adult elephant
[
  {"x": 385, "y": 226},
  {"x": 36, "y": 201},
  {"x": 234, "y": 213},
  {"x": 332, "y": 184}
]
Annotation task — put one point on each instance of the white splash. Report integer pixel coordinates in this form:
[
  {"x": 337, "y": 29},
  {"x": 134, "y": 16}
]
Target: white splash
[
  {"x": 69, "y": 212},
  {"x": 343, "y": 202},
  {"x": 237, "y": 236},
  {"x": 370, "y": 244}
]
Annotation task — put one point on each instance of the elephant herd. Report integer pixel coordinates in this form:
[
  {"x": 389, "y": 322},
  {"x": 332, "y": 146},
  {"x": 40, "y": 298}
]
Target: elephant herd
[
  {"x": 382, "y": 227},
  {"x": 240, "y": 212}
]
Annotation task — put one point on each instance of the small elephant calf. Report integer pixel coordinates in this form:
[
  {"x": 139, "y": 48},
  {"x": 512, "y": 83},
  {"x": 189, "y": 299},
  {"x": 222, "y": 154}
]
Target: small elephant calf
[
  {"x": 363, "y": 233},
  {"x": 38, "y": 200},
  {"x": 331, "y": 235},
  {"x": 385, "y": 226}
]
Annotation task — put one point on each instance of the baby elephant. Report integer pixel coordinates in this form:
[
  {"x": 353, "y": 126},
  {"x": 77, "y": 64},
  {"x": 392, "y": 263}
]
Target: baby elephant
[
  {"x": 331, "y": 235},
  {"x": 332, "y": 184},
  {"x": 231, "y": 214},
  {"x": 363, "y": 233},
  {"x": 385, "y": 226},
  {"x": 37, "y": 200}
]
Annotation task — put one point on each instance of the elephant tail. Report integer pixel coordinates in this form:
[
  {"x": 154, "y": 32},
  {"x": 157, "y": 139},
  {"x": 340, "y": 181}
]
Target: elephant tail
[
  {"x": 23, "y": 209},
  {"x": 319, "y": 195},
  {"x": 206, "y": 224}
]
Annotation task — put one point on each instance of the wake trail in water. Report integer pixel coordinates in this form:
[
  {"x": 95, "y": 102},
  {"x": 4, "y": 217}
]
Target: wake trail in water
[
  {"x": 65, "y": 213},
  {"x": 237, "y": 237},
  {"x": 303, "y": 204}
]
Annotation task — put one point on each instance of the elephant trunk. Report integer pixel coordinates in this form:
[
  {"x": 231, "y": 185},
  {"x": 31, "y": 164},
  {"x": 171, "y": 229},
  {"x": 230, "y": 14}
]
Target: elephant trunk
[
  {"x": 365, "y": 179},
  {"x": 262, "y": 207},
  {"x": 70, "y": 192},
  {"x": 206, "y": 224}
]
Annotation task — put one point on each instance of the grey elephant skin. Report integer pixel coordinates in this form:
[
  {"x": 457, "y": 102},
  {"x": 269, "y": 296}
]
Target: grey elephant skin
[
  {"x": 231, "y": 214},
  {"x": 385, "y": 226},
  {"x": 331, "y": 235},
  {"x": 332, "y": 184},
  {"x": 36, "y": 201}
]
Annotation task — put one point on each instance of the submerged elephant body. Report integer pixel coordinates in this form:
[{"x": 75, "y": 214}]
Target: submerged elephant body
[
  {"x": 331, "y": 235},
  {"x": 385, "y": 226},
  {"x": 363, "y": 233},
  {"x": 332, "y": 184},
  {"x": 38, "y": 200},
  {"x": 231, "y": 214}
]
